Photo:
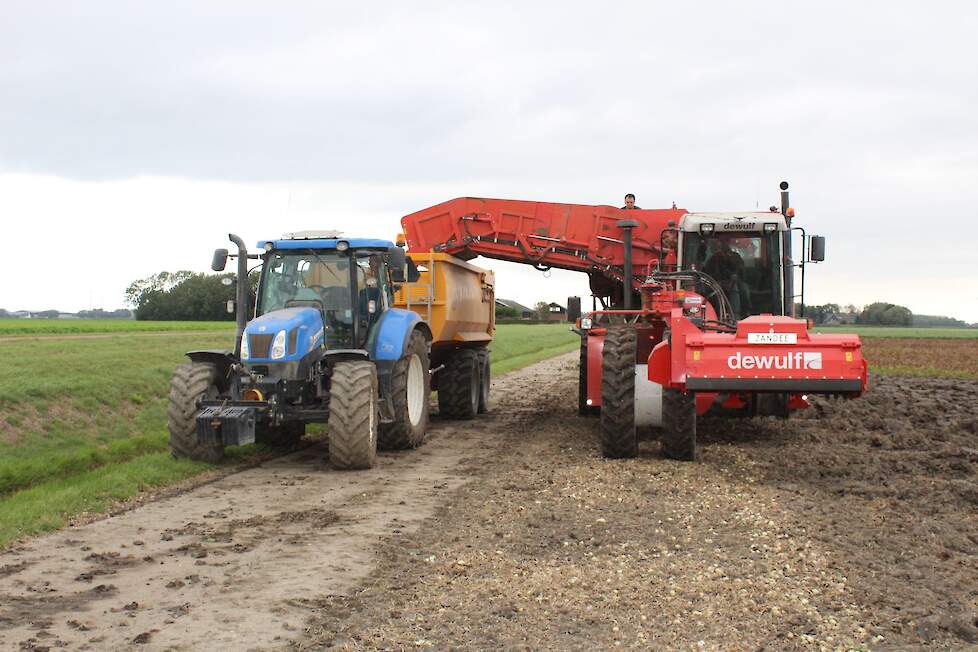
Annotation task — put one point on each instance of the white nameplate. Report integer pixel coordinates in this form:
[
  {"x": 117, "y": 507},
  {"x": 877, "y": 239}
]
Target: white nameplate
[{"x": 772, "y": 338}]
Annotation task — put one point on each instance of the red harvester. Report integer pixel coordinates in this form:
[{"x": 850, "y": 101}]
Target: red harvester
[{"x": 696, "y": 309}]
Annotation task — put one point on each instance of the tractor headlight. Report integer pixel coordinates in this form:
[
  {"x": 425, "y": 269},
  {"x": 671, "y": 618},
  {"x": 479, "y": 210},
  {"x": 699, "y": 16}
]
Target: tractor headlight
[
  {"x": 770, "y": 227},
  {"x": 278, "y": 345},
  {"x": 245, "y": 353},
  {"x": 585, "y": 323},
  {"x": 706, "y": 228},
  {"x": 342, "y": 246}
]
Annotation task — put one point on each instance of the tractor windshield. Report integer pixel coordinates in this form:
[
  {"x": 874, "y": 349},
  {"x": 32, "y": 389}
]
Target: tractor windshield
[
  {"x": 345, "y": 288},
  {"x": 746, "y": 265}
]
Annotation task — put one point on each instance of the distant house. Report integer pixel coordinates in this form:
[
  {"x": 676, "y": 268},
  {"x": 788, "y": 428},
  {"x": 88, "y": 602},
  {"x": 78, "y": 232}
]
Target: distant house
[
  {"x": 522, "y": 312},
  {"x": 557, "y": 312},
  {"x": 67, "y": 315},
  {"x": 21, "y": 314}
]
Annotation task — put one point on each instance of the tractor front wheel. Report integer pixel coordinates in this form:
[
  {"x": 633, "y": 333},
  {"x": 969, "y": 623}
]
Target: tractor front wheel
[
  {"x": 191, "y": 382},
  {"x": 353, "y": 415},
  {"x": 679, "y": 425},
  {"x": 618, "y": 436},
  {"x": 411, "y": 387}
]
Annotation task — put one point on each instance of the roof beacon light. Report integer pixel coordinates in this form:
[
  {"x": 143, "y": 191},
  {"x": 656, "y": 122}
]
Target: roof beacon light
[
  {"x": 790, "y": 212},
  {"x": 342, "y": 246}
]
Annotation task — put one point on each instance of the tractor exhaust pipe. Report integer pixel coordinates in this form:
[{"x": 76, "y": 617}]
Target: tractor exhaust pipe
[
  {"x": 627, "y": 226},
  {"x": 242, "y": 292}
]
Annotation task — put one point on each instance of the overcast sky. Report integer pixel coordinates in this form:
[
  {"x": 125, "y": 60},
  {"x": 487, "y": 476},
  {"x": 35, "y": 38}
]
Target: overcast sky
[{"x": 135, "y": 135}]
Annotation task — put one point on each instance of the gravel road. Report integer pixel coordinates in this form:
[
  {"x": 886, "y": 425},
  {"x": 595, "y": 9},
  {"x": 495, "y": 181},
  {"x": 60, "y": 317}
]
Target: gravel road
[{"x": 850, "y": 525}]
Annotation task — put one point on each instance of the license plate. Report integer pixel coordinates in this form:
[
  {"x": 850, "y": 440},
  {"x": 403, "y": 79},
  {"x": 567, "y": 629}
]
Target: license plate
[{"x": 772, "y": 338}]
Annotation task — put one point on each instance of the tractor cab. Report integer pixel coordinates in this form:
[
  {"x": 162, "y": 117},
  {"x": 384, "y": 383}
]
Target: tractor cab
[{"x": 318, "y": 293}]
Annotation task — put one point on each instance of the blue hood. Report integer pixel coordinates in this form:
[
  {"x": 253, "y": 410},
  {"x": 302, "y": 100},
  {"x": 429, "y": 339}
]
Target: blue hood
[{"x": 303, "y": 332}]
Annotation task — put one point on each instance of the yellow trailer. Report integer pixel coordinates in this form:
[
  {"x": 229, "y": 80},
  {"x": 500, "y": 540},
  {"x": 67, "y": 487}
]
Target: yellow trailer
[{"x": 455, "y": 298}]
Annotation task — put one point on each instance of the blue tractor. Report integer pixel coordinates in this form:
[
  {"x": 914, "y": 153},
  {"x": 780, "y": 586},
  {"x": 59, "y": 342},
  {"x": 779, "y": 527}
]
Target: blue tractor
[{"x": 326, "y": 345}]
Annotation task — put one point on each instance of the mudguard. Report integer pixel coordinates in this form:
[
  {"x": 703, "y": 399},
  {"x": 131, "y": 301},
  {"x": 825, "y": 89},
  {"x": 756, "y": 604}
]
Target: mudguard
[{"x": 389, "y": 338}]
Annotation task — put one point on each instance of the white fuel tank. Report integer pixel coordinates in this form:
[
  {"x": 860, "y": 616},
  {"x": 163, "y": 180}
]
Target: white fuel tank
[{"x": 648, "y": 398}]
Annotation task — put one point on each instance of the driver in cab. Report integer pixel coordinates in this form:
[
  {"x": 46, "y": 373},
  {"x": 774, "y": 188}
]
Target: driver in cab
[{"x": 330, "y": 285}]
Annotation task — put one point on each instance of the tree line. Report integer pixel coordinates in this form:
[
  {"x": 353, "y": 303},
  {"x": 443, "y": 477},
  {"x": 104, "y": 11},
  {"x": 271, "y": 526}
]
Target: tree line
[
  {"x": 191, "y": 296},
  {"x": 186, "y": 296}
]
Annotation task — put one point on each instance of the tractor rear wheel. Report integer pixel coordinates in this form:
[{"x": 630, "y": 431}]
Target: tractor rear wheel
[
  {"x": 353, "y": 415},
  {"x": 458, "y": 387},
  {"x": 191, "y": 382},
  {"x": 284, "y": 436},
  {"x": 618, "y": 436},
  {"x": 485, "y": 379},
  {"x": 679, "y": 425},
  {"x": 411, "y": 387}
]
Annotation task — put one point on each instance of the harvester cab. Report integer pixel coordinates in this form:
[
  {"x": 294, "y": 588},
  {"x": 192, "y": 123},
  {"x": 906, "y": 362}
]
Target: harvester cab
[{"x": 326, "y": 344}]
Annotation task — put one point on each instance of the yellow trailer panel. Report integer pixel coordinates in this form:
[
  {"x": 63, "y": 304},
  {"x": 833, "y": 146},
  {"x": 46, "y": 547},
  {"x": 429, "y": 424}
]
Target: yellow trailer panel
[{"x": 455, "y": 298}]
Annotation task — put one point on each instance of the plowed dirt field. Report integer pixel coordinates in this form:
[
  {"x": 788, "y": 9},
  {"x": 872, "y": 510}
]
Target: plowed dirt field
[{"x": 853, "y": 524}]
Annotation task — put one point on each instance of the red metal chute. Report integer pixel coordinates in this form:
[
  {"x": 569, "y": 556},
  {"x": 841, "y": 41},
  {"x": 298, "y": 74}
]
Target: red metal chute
[{"x": 566, "y": 236}]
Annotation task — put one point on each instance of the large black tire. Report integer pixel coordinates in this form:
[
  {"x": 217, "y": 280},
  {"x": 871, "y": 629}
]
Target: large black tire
[
  {"x": 285, "y": 436},
  {"x": 191, "y": 382},
  {"x": 679, "y": 425},
  {"x": 353, "y": 415},
  {"x": 485, "y": 380},
  {"x": 618, "y": 436},
  {"x": 582, "y": 407},
  {"x": 458, "y": 387},
  {"x": 411, "y": 387}
]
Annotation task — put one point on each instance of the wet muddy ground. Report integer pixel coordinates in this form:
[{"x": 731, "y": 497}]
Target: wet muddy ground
[{"x": 851, "y": 524}]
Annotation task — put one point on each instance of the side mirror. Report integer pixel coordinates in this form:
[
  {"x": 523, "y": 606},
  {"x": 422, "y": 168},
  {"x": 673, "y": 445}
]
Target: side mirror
[
  {"x": 817, "y": 253},
  {"x": 220, "y": 260},
  {"x": 395, "y": 260}
]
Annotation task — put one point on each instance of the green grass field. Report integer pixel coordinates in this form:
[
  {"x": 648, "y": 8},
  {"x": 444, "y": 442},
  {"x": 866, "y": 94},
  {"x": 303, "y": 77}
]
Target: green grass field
[
  {"x": 83, "y": 326},
  {"x": 83, "y": 420},
  {"x": 902, "y": 332}
]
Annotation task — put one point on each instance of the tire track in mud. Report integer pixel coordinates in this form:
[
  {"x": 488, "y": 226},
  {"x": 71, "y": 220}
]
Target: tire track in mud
[{"x": 239, "y": 563}]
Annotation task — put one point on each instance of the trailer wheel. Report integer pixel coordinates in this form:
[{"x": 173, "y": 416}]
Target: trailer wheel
[
  {"x": 285, "y": 436},
  {"x": 582, "y": 407},
  {"x": 458, "y": 388},
  {"x": 679, "y": 425},
  {"x": 485, "y": 379},
  {"x": 618, "y": 436},
  {"x": 411, "y": 387},
  {"x": 353, "y": 415},
  {"x": 191, "y": 382}
]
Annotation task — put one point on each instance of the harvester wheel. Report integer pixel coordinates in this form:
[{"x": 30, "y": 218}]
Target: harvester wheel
[
  {"x": 284, "y": 436},
  {"x": 582, "y": 407},
  {"x": 191, "y": 382},
  {"x": 353, "y": 415},
  {"x": 679, "y": 425},
  {"x": 458, "y": 388},
  {"x": 411, "y": 387},
  {"x": 618, "y": 436},
  {"x": 485, "y": 379}
]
